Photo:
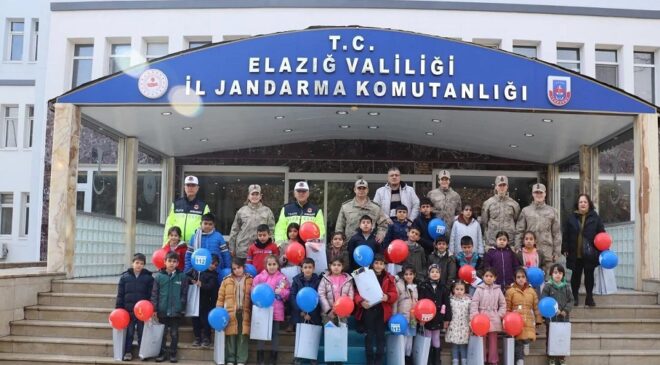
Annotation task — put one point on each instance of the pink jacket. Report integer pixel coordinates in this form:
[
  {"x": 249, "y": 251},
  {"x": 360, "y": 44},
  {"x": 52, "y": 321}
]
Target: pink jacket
[
  {"x": 327, "y": 296},
  {"x": 489, "y": 299},
  {"x": 274, "y": 281}
]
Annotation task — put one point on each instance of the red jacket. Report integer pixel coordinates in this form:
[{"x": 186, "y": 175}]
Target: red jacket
[
  {"x": 181, "y": 251},
  {"x": 258, "y": 251},
  {"x": 389, "y": 287}
]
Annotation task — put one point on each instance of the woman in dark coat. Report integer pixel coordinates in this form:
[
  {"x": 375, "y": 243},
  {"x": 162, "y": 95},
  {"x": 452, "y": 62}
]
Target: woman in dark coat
[{"x": 578, "y": 246}]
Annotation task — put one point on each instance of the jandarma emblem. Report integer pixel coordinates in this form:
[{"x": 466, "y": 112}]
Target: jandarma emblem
[{"x": 559, "y": 90}]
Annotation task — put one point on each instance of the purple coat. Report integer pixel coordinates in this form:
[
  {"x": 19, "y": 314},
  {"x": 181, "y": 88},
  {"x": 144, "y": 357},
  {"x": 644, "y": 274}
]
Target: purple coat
[{"x": 505, "y": 262}]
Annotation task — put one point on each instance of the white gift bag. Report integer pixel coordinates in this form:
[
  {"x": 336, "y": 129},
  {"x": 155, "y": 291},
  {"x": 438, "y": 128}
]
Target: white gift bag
[
  {"x": 508, "y": 350},
  {"x": 396, "y": 349},
  {"x": 394, "y": 269},
  {"x": 368, "y": 286},
  {"x": 290, "y": 272},
  {"x": 118, "y": 340},
  {"x": 219, "y": 348},
  {"x": 335, "y": 342},
  {"x": 475, "y": 351},
  {"x": 308, "y": 338},
  {"x": 315, "y": 250},
  {"x": 192, "y": 304},
  {"x": 421, "y": 348},
  {"x": 261, "y": 324},
  {"x": 604, "y": 281},
  {"x": 152, "y": 338},
  {"x": 559, "y": 339}
]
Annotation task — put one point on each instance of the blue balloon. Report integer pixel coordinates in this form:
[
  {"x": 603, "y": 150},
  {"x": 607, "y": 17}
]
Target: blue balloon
[
  {"x": 250, "y": 269},
  {"x": 608, "y": 259},
  {"x": 548, "y": 307},
  {"x": 201, "y": 259},
  {"x": 437, "y": 228},
  {"x": 363, "y": 255},
  {"x": 224, "y": 273},
  {"x": 307, "y": 299},
  {"x": 398, "y": 325},
  {"x": 535, "y": 276},
  {"x": 218, "y": 318},
  {"x": 263, "y": 295}
]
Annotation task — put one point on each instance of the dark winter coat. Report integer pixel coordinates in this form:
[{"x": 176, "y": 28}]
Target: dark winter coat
[
  {"x": 439, "y": 296},
  {"x": 170, "y": 293},
  {"x": 422, "y": 223},
  {"x": 210, "y": 284},
  {"x": 592, "y": 226},
  {"x": 447, "y": 265},
  {"x": 357, "y": 240},
  {"x": 416, "y": 258},
  {"x": 562, "y": 294},
  {"x": 132, "y": 289},
  {"x": 299, "y": 283},
  {"x": 505, "y": 262},
  {"x": 396, "y": 231}
]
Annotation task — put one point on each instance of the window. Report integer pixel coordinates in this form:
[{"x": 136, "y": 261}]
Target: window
[
  {"x": 15, "y": 40},
  {"x": 645, "y": 75},
  {"x": 6, "y": 212},
  {"x": 527, "y": 51},
  {"x": 25, "y": 214},
  {"x": 9, "y": 122},
  {"x": 82, "y": 64},
  {"x": 34, "y": 40},
  {"x": 120, "y": 57},
  {"x": 569, "y": 58},
  {"x": 155, "y": 50},
  {"x": 195, "y": 44},
  {"x": 607, "y": 68},
  {"x": 29, "y": 126}
]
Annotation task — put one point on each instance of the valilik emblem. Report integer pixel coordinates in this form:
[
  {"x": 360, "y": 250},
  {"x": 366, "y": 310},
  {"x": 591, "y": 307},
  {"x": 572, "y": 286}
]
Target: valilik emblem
[{"x": 559, "y": 90}]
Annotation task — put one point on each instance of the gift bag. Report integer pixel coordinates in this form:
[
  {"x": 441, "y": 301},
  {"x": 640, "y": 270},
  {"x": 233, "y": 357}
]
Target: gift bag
[
  {"x": 152, "y": 338},
  {"x": 290, "y": 272},
  {"x": 335, "y": 342},
  {"x": 604, "y": 281},
  {"x": 368, "y": 286},
  {"x": 559, "y": 339},
  {"x": 508, "y": 350},
  {"x": 261, "y": 324},
  {"x": 219, "y": 348},
  {"x": 308, "y": 338},
  {"x": 475, "y": 351},
  {"x": 394, "y": 269},
  {"x": 192, "y": 304},
  {"x": 118, "y": 340},
  {"x": 315, "y": 250},
  {"x": 396, "y": 350},
  {"x": 421, "y": 348}
]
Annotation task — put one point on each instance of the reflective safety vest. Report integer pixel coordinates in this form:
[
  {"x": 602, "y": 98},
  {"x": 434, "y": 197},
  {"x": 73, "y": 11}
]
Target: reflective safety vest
[
  {"x": 294, "y": 213},
  {"x": 187, "y": 215}
]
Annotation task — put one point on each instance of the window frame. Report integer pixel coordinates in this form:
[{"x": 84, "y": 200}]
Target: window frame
[
  {"x": 608, "y": 64},
  {"x": 9, "y": 206},
  {"x": 113, "y": 58},
  {"x": 4, "y": 126},
  {"x": 148, "y": 56},
  {"x": 79, "y": 59},
  {"x": 528, "y": 47},
  {"x": 34, "y": 41},
  {"x": 9, "y": 49},
  {"x": 645, "y": 65},
  {"x": 25, "y": 215},
  {"x": 28, "y": 134},
  {"x": 577, "y": 62}
]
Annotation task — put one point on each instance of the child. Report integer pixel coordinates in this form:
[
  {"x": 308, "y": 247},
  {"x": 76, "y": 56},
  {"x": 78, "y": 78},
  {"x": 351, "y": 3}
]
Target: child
[
  {"x": 262, "y": 248},
  {"x": 445, "y": 262},
  {"x": 209, "y": 284},
  {"x": 521, "y": 297},
  {"x": 406, "y": 288},
  {"x": 334, "y": 283},
  {"x": 134, "y": 285},
  {"x": 398, "y": 230},
  {"x": 292, "y": 234},
  {"x": 207, "y": 237},
  {"x": 306, "y": 279},
  {"x": 174, "y": 244},
  {"x": 529, "y": 256},
  {"x": 168, "y": 296},
  {"x": 458, "y": 331},
  {"x": 276, "y": 280},
  {"x": 365, "y": 235},
  {"x": 338, "y": 248},
  {"x": 435, "y": 290},
  {"x": 422, "y": 223},
  {"x": 467, "y": 256},
  {"x": 488, "y": 299},
  {"x": 502, "y": 259},
  {"x": 416, "y": 255},
  {"x": 558, "y": 288},
  {"x": 374, "y": 318},
  {"x": 234, "y": 296}
]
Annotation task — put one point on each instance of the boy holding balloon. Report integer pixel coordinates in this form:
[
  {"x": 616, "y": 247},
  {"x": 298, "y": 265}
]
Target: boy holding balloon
[
  {"x": 206, "y": 236},
  {"x": 304, "y": 309},
  {"x": 209, "y": 284},
  {"x": 559, "y": 308}
]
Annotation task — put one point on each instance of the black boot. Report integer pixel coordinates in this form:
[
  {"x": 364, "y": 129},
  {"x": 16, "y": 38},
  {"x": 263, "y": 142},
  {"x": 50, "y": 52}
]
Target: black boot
[
  {"x": 589, "y": 301},
  {"x": 432, "y": 358},
  {"x": 409, "y": 360},
  {"x": 438, "y": 357},
  {"x": 370, "y": 358},
  {"x": 378, "y": 359},
  {"x": 576, "y": 299},
  {"x": 162, "y": 356},
  {"x": 260, "y": 357},
  {"x": 173, "y": 357},
  {"x": 273, "y": 358}
]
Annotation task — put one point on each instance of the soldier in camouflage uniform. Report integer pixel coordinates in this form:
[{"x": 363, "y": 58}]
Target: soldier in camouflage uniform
[
  {"x": 248, "y": 217},
  {"x": 446, "y": 202},
  {"x": 348, "y": 219},
  {"x": 499, "y": 213},
  {"x": 543, "y": 220}
]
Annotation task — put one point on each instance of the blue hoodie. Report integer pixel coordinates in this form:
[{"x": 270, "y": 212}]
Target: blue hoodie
[{"x": 212, "y": 241}]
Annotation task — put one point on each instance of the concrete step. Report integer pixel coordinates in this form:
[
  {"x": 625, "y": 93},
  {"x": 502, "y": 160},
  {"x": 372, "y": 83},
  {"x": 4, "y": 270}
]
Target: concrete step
[
  {"x": 623, "y": 297},
  {"x": 86, "y": 286},
  {"x": 617, "y": 311},
  {"x": 615, "y": 325},
  {"x": 62, "y": 313},
  {"x": 77, "y": 300}
]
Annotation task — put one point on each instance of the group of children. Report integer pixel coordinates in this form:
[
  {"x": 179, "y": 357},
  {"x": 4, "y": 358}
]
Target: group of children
[{"x": 426, "y": 273}]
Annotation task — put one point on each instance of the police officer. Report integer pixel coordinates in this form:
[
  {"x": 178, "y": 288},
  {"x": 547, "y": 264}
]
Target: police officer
[
  {"x": 446, "y": 201},
  {"x": 349, "y": 215},
  {"x": 299, "y": 211},
  {"x": 499, "y": 213},
  {"x": 186, "y": 212}
]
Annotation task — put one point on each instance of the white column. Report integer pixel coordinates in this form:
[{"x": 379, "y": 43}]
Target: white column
[
  {"x": 626, "y": 69},
  {"x": 588, "y": 63},
  {"x": 99, "y": 62},
  {"x": 129, "y": 190},
  {"x": 506, "y": 44},
  {"x": 547, "y": 51}
]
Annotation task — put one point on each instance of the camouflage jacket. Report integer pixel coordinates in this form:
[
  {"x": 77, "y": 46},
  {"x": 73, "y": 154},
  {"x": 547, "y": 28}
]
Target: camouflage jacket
[
  {"x": 543, "y": 220},
  {"x": 446, "y": 205},
  {"x": 499, "y": 213},
  {"x": 244, "y": 229},
  {"x": 348, "y": 219}
]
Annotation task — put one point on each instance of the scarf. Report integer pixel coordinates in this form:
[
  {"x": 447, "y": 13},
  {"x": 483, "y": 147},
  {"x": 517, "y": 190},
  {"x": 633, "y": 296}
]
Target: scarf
[
  {"x": 559, "y": 285},
  {"x": 240, "y": 291}
]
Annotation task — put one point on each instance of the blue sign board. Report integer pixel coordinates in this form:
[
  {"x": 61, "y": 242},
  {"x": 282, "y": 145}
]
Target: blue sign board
[{"x": 355, "y": 66}]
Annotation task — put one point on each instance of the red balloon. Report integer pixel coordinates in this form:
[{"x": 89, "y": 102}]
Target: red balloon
[
  {"x": 309, "y": 231},
  {"x": 467, "y": 273},
  {"x": 143, "y": 310},
  {"x": 603, "y": 241},
  {"x": 513, "y": 324},
  {"x": 480, "y": 324},
  {"x": 158, "y": 258},
  {"x": 344, "y": 306},
  {"x": 119, "y": 319},
  {"x": 295, "y": 253},
  {"x": 397, "y": 251},
  {"x": 425, "y": 310}
]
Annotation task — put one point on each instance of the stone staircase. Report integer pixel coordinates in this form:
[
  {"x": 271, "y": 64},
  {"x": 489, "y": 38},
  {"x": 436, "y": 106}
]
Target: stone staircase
[{"x": 69, "y": 326}]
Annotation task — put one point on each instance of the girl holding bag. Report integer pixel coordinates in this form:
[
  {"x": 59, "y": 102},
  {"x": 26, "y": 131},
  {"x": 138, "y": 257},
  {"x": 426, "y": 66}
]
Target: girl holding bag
[{"x": 407, "y": 289}]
